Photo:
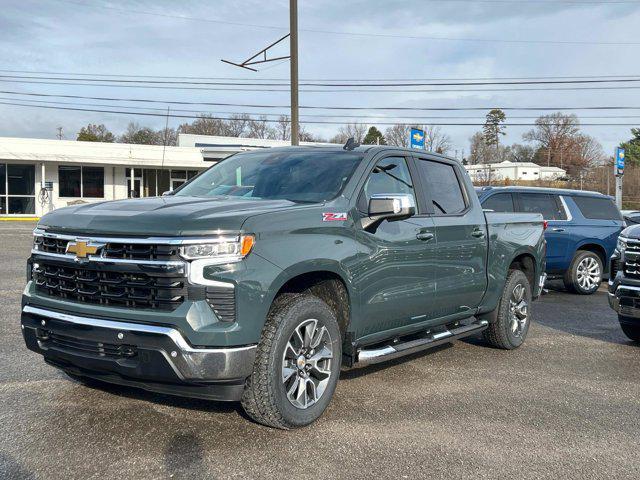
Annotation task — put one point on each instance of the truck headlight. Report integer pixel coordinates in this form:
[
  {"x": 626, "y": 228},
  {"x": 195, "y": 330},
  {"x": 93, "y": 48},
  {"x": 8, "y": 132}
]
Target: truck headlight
[
  {"x": 219, "y": 251},
  {"x": 621, "y": 245}
]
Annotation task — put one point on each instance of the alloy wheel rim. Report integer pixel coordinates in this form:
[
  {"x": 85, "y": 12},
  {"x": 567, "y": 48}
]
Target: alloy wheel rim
[
  {"x": 588, "y": 273},
  {"x": 306, "y": 364},
  {"x": 518, "y": 310}
]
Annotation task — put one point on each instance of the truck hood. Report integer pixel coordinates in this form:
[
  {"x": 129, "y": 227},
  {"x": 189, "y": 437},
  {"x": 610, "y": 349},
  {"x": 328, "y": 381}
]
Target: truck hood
[
  {"x": 631, "y": 232},
  {"x": 160, "y": 216}
]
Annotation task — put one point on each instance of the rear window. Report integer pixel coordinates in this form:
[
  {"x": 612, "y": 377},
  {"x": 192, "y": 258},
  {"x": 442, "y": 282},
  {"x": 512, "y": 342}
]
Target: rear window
[
  {"x": 543, "y": 203},
  {"x": 597, "y": 208},
  {"x": 500, "y": 202}
]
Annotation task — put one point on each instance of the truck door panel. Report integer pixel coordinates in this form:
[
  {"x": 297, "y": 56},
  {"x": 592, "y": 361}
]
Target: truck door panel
[
  {"x": 461, "y": 237},
  {"x": 393, "y": 273}
]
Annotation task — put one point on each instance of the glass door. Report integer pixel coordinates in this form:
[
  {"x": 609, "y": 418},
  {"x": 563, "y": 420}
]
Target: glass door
[{"x": 134, "y": 181}]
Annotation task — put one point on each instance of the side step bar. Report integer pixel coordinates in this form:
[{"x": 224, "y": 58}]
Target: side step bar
[{"x": 389, "y": 352}]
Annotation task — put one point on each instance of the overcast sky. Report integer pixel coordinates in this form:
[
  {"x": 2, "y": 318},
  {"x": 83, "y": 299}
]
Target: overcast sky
[{"x": 101, "y": 37}]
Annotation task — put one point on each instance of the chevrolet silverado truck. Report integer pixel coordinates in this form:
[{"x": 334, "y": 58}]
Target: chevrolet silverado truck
[
  {"x": 262, "y": 277},
  {"x": 624, "y": 282}
]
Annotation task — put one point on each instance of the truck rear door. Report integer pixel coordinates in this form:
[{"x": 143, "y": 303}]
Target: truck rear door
[{"x": 461, "y": 236}]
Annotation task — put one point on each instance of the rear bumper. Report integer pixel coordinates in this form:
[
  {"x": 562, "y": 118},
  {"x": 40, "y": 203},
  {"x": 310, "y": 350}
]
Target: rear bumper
[{"x": 156, "y": 358}]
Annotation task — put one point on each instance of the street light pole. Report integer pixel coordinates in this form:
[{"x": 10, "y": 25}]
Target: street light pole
[{"x": 293, "y": 43}]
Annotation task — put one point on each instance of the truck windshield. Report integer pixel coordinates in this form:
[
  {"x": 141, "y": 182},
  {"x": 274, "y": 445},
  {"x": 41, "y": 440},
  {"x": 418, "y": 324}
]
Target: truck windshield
[{"x": 299, "y": 176}]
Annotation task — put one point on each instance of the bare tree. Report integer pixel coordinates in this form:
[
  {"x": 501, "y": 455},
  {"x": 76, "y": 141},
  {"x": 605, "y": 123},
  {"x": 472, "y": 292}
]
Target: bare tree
[
  {"x": 398, "y": 135},
  {"x": 357, "y": 131},
  {"x": 259, "y": 128},
  {"x": 435, "y": 140},
  {"x": 480, "y": 152},
  {"x": 237, "y": 125},
  {"x": 283, "y": 128},
  {"x": 168, "y": 137},
  {"x": 560, "y": 143},
  {"x": 204, "y": 125}
]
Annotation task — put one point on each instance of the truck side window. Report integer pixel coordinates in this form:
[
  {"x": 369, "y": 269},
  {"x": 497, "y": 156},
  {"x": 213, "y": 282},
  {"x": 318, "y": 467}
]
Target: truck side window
[
  {"x": 390, "y": 175},
  {"x": 542, "y": 203},
  {"x": 500, "y": 202},
  {"x": 443, "y": 185}
]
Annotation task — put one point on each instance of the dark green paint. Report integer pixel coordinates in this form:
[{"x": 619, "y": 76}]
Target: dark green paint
[{"x": 396, "y": 283}]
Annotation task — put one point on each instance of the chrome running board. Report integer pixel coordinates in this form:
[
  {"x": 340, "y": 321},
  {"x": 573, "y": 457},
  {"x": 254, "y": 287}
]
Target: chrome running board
[{"x": 399, "y": 349}]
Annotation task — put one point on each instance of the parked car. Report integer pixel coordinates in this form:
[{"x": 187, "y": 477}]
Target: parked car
[
  {"x": 624, "y": 284},
  {"x": 631, "y": 217},
  {"x": 258, "y": 279},
  {"x": 583, "y": 228}
]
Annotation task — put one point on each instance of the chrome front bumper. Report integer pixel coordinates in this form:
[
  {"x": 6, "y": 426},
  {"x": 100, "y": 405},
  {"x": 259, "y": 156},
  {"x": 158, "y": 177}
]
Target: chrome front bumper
[
  {"x": 132, "y": 350},
  {"x": 626, "y": 301}
]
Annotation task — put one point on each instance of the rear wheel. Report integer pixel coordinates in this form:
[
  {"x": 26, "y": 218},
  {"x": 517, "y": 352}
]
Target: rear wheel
[
  {"x": 585, "y": 273},
  {"x": 631, "y": 331},
  {"x": 297, "y": 363},
  {"x": 514, "y": 315}
]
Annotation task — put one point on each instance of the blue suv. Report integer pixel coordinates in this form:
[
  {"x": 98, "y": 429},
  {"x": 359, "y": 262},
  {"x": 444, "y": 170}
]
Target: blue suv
[{"x": 583, "y": 228}]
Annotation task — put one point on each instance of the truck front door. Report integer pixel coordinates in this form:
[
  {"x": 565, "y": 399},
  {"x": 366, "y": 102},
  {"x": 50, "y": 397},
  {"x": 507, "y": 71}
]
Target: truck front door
[
  {"x": 461, "y": 238},
  {"x": 394, "y": 273}
]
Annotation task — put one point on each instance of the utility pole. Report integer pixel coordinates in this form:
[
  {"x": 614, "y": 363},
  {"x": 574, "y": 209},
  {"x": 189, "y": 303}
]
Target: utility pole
[
  {"x": 59, "y": 135},
  {"x": 293, "y": 46}
]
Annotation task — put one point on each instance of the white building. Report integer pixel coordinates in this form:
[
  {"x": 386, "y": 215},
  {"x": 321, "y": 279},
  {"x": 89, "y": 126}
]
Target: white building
[
  {"x": 91, "y": 171},
  {"x": 513, "y": 171}
]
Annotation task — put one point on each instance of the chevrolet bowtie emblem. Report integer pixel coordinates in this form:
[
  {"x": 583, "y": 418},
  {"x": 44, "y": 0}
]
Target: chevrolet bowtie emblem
[{"x": 82, "y": 249}]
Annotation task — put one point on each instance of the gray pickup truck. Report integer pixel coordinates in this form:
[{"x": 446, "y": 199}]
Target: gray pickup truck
[{"x": 264, "y": 275}]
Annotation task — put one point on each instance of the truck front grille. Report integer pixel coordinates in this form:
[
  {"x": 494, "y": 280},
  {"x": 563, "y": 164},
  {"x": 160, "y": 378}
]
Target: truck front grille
[
  {"x": 128, "y": 251},
  {"x": 632, "y": 260},
  {"x": 89, "y": 284}
]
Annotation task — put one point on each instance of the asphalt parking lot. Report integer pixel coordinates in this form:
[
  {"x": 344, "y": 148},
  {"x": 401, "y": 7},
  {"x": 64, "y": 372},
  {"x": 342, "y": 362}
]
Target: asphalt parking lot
[{"x": 565, "y": 405}]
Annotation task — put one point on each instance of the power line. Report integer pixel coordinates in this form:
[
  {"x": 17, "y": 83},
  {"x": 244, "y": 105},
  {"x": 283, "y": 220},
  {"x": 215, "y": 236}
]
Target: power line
[
  {"x": 364, "y": 118},
  {"x": 371, "y": 118},
  {"x": 360, "y": 34},
  {"x": 324, "y": 90},
  {"x": 316, "y": 122},
  {"x": 314, "y": 107},
  {"x": 283, "y": 79},
  {"x": 334, "y": 84}
]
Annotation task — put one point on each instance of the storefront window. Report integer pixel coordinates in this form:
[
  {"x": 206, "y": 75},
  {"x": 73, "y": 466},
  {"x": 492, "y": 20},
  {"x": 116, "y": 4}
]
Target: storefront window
[
  {"x": 21, "y": 179},
  {"x": 78, "y": 181},
  {"x": 22, "y": 205},
  {"x": 17, "y": 189},
  {"x": 69, "y": 178},
  {"x": 93, "y": 182}
]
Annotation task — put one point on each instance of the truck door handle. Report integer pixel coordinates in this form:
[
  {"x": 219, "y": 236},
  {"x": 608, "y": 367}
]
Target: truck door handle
[
  {"x": 557, "y": 229},
  {"x": 424, "y": 236},
  {"x": 477, "y": 233}
]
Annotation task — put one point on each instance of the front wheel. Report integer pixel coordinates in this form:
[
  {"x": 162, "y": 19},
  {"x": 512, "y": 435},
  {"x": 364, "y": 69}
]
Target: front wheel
[
  {"x": 511, "y": 326},
  {"x": 631, "y": 331},
  {"x": 297, "y": 363},
  {"x": 585, "y": 273}
]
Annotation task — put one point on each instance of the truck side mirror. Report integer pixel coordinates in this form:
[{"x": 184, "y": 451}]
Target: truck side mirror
[
  {"x": 388, "y": 206},
  {"x": 167, "y": 193}
]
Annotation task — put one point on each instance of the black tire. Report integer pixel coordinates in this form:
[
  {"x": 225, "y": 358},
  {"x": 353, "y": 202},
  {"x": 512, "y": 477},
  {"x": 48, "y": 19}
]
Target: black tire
[
  {"x": 631, "y": 331},
  {"x": 265, "y": 395},
  {"x": 571, "y": 280},
  {"x": 500, "y": 333}
]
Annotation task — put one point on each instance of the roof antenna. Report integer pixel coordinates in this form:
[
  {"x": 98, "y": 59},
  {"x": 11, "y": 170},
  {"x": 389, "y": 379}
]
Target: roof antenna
[{"x": 351, "y": 144}]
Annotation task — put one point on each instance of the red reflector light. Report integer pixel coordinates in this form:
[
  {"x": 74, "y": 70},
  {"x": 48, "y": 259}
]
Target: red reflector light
[{"x": 545, "y": 224}]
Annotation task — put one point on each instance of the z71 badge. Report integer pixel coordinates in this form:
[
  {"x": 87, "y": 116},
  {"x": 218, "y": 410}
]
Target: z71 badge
[{"x": 334, "y": 217}]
